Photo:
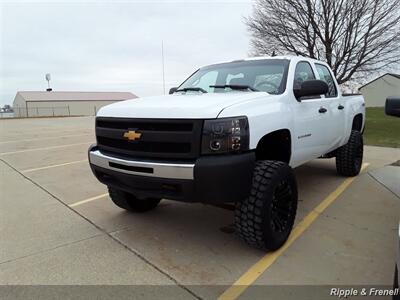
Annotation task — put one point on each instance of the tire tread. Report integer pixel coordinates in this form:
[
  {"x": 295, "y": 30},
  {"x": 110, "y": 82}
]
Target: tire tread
[
  {"x": 346, "y": 154},
  {"x": 249, "y": 212},
  {"x": 129, "y": 202}
]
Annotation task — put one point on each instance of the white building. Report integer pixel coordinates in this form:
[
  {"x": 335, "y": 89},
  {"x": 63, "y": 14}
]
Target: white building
[
  {"x": 43, "y": 104},
  {"x": 376, "y": 91}
]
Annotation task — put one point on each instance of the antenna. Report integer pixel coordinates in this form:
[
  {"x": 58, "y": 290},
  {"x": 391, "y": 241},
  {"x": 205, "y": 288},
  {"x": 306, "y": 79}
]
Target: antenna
[
  {"x": 48, "y": 78},
  {"x": 163, "y": 67}
]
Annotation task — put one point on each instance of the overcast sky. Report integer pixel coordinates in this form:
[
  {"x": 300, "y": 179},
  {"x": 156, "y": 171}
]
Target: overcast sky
[{"x": 115, "y": 46}]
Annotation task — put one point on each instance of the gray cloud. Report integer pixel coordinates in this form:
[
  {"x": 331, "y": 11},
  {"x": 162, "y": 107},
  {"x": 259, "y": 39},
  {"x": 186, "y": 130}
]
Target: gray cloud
[{"x": 115, "y": 45}]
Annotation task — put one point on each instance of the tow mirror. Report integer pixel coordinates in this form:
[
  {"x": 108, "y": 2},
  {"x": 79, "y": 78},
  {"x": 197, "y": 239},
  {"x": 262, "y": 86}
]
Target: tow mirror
[
  {"x": 311, "y": 88},
  {"x": 172, "y": 90},
  {"x": 392, "y": 106}
]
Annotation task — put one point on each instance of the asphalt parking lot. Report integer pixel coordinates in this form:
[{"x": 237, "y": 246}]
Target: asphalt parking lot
[{"x": 58, "y": 226}]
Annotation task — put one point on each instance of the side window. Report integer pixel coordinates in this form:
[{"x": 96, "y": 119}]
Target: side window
[
  {"x": 326, "y": 76},
  {"x": 302, "y": 73}
]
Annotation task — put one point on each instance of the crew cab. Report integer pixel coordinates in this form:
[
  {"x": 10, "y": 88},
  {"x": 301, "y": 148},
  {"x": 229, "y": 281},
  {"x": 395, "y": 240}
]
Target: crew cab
[{"x": 231, "y": 132}]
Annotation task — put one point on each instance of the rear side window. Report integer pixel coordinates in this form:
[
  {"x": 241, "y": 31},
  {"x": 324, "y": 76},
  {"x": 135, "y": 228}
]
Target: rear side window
[
  {"x": 302, "y": 73},
  {"x": 326, "y": 76}
]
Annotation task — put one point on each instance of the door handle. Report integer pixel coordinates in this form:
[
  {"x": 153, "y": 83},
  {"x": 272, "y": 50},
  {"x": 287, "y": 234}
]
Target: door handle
[
  {"x": 322, "y": 110},
  {"x": 340, "y": 106}
]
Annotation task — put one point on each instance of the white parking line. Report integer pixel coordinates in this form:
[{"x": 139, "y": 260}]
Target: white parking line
[
  {"x": 54, "y": 166},
  {"x": 255, "y": 271},
  {"x": 44, "y": 148},
  {"x": 47, "y": 138},
  {"x": 88, "y": 200}
]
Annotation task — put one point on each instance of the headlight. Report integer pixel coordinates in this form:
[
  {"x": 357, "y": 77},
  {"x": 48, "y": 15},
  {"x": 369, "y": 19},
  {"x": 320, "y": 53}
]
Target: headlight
[{"x": 225, "y": 135}]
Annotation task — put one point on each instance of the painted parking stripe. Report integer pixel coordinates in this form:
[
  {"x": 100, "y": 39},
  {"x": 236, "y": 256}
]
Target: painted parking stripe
[
  {"x": 54, "y": 166},
  {"x": 46, "y": 138},
  {"x": 44, "y": 148},
  {"x": 265, "y": 262},
  {"x": 88, "y": 200}
]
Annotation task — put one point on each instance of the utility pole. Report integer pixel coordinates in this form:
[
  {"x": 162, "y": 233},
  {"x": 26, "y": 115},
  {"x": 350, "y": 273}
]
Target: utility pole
[{"x": 163, "y": 66}]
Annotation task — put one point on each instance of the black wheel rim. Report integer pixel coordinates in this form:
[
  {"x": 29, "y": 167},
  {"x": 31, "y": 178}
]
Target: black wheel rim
[{"x": 282, "y": 207}]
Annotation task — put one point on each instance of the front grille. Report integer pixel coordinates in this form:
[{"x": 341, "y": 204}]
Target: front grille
[{"x": 160, "y": 138}]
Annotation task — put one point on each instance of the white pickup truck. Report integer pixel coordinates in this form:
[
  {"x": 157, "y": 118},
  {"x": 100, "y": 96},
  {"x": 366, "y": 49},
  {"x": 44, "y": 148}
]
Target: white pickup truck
[{"x": 231, "y": 132}]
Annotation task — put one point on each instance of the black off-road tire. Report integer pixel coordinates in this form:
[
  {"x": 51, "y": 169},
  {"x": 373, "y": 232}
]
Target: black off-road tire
[
  {"x": 130, "y": 202},
  {"x": 349, "y": 157},
  {"x": 265, "y": 218}
]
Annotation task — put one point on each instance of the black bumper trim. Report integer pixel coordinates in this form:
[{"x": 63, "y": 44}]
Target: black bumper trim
[{"x": 217, "y": 179}]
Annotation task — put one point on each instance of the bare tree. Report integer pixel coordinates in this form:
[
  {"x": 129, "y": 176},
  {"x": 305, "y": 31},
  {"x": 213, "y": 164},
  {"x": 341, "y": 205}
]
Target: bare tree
[{"x": 353, "y": 36}]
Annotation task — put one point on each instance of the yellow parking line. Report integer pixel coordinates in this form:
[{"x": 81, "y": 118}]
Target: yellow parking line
[
  {"x": 47, "y": 138},
  {"x": 88, "y": 200},
  {"x": 265, "y": 262},
  {"x": 54, "y": 166},
  {"x": 44, "y": 148}
]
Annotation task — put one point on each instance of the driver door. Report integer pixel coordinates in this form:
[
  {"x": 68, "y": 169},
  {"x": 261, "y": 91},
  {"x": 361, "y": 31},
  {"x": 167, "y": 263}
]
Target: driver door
[{"x": 310, "y": 133}]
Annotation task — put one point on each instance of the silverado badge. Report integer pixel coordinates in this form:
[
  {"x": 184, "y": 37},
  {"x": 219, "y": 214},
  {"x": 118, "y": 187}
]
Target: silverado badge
[{"x": 132, "y": 135}]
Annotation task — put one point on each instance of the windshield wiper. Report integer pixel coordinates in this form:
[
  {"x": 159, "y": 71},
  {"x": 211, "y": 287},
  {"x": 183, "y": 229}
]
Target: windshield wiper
[
  {"x": 195, "y": 89},
  {"x": 235, "y": 87}
]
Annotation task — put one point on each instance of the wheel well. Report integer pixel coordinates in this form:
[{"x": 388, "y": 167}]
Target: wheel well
[
  {"x": 357, "y": 123},
  {"x": 276, "y": 145}
]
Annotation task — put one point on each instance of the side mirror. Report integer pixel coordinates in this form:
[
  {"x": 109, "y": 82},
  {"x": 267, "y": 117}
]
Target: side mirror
[
  {"x": 172, "y": 90},
  {"x": 311, "y": 88},
  {"x": 392, "y": 106}
]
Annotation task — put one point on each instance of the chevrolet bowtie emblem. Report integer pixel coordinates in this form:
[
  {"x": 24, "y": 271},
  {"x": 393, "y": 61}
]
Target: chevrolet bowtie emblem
[{"x": 132, "y": 135}]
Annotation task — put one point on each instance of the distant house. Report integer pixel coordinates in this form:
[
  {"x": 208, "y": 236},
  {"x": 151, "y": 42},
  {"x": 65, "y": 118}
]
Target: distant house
[
  {"x": 50, "y": 103},
  {"x": 376, "y": 91}
]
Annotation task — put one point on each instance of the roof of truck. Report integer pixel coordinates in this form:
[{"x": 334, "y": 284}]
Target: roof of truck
[
  {"x": 288, "y": 57},
  {"x": 270, "y": 57}
]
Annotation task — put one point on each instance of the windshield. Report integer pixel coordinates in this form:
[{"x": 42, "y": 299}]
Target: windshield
[{"x": 267, "y": 75}]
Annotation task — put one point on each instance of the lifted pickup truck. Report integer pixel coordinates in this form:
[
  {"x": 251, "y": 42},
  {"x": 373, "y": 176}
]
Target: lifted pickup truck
[{"x": 231, "y": 132}]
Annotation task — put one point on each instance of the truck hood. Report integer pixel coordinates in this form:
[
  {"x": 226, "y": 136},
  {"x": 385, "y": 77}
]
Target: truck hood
[{"x": 189, "y": 106}]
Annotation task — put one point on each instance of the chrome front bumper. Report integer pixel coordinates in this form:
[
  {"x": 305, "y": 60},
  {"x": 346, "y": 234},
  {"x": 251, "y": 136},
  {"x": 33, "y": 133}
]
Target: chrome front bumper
[{"x": 142, "y": 168}]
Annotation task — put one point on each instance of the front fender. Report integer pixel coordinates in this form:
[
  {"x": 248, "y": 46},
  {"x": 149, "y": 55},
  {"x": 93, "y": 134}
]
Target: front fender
[{"x": 264, "y": 117}]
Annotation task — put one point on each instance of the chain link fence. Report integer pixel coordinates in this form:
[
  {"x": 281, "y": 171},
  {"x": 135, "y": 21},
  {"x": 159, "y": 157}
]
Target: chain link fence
[
  {"x": 54, "y": 111},
  {"x": 31, "y": 112},
  {"x": 5, "y": 115}
]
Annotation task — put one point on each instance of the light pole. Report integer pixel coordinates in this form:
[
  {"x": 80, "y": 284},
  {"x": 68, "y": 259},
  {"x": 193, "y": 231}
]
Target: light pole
[
  {"x": 48, "y": 78},
  {"x": 163, "y": 67}
]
